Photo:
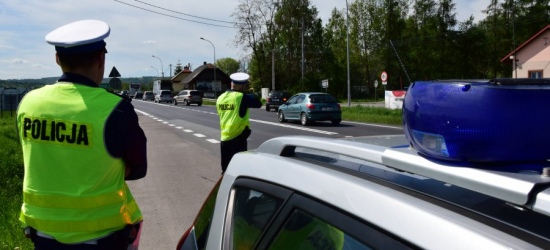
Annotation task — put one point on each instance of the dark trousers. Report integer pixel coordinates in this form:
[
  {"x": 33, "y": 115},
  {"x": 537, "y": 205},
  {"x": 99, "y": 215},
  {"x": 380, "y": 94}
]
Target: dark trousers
[
  {"x": 119, "y": 240},
  {"x": 233, "y": 146}
]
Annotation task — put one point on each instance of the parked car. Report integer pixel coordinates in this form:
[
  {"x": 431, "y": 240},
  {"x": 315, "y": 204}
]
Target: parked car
[
  {"x": 188, "y": 97},
  {"x": 164, "y": 96},
  {"x": 449, "y": 182},
  {"x": 139, "y": 95},
  {"x": 309, "y": 107},
  {"x": 296, "y": 191},
  {"x": 276, "y": 99},
  {"x": 148, "y": 96}
]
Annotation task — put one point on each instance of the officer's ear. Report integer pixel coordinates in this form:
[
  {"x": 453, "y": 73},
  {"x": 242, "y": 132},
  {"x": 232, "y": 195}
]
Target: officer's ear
[{"x": 57, "y": 59}]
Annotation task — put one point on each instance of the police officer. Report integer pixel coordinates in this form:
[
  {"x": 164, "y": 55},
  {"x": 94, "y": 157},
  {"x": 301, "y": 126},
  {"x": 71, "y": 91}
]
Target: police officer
[
  {"x": 80, "y": 143},
  {"x": 232, "y": 108}
]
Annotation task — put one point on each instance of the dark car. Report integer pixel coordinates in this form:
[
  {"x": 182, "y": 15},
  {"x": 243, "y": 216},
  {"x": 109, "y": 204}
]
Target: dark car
[
  {"x": 139, "y": 95},
  {"x": 308, "y": 107},
  {"x": 276, "y": 99}
]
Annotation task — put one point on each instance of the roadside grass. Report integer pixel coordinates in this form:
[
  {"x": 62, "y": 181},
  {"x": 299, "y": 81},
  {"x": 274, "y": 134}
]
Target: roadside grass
[
  {"x": 372, "y": 115},
  {"x": 359, "y": 114},
  {"x": 11, "y": 168},
  {"x": 11, "y": 178}
]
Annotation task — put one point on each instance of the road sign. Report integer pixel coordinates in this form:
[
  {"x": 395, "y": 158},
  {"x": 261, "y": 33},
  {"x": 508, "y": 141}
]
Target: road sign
[
  {"x": 384, "y": 76},
  {"x": 324, "y": 83},
  {"x": 375, "y": 83}
]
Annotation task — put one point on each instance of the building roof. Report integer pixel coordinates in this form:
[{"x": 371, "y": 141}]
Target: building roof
[
  {"x": 507, "y": 57},
  {"x": 199, "y": 70}
]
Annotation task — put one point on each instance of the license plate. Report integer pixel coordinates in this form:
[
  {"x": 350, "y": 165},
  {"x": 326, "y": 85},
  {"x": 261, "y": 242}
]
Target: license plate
[
  {"x": 275, "y": 100},
  {"x": 326, "y": 108}
]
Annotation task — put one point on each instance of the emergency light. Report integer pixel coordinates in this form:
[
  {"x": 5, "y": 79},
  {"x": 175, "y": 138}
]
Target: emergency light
[{"x": 499, "y": 120}]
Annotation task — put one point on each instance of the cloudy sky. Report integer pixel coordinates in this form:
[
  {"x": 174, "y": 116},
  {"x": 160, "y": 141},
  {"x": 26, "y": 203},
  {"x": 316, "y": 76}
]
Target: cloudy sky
[{"x": 139, "y": 30}]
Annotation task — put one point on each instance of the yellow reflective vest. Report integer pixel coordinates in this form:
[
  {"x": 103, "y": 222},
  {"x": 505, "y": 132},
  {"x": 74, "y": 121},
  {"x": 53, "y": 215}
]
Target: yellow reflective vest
[
  {"x": 231, "y": 124},
  {"x": 73, "y": 189}
]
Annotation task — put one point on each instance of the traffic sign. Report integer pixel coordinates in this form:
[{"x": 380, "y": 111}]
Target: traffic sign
[
  {"x": 375, "y": 83},
  {"x": 384, "y": 76}
]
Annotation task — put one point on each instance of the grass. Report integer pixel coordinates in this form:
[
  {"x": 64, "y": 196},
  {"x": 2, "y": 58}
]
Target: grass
[
  {"x": 11, "y": 176},
  {"x": 372, "y": 115},
  {"x": 11, "y": 168},
  {"x": 359, "y": 113}
]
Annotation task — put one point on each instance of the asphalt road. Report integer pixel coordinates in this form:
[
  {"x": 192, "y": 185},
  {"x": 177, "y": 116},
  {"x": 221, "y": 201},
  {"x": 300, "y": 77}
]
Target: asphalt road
[{"x": 184, "y": 164}]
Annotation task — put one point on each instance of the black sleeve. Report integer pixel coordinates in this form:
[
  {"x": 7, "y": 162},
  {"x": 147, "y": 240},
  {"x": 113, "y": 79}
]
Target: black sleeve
[
  {"x": 125, "y": 139},
  {"x": 249, "y": 101}
]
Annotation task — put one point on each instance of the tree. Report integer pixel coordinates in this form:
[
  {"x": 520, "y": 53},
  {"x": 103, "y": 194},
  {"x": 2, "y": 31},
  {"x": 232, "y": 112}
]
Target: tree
[
  {"x": 228, "y": 65},
  {"x": 178, "y": 68}
]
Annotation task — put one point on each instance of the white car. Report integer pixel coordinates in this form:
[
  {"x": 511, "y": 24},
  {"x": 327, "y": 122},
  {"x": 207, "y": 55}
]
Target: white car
[
  {"x": 163, "y": 96},
  {"x": 302, "y": 192}
]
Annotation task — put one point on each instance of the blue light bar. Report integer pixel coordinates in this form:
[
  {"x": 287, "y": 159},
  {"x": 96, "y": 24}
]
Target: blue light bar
[{"x": 500, "y": 120}]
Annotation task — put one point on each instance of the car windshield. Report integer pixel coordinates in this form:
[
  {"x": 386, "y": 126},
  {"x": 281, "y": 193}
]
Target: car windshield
[
  {"x": 277, "y": 94},
  {"x": 321, "y": 98}
]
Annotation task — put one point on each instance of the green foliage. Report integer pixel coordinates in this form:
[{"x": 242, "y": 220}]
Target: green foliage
[
  {"x": 410, "y": 40},
  {"x": 228, "y": 65},
  {"x": 11, "y": 176}
]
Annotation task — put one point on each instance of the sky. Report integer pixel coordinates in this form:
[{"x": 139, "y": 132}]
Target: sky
[{"x": 142, "y": 42}]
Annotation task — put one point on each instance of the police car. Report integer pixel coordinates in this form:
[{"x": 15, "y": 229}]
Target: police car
[{"x": 464, "y": 175}]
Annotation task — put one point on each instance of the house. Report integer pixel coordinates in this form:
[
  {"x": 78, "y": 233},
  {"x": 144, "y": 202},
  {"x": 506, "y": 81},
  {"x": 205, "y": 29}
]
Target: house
[
  {"x": 177, "y": 80},
  {"x": 203, "y": 77},
  {"x": 532, "y": 58}
]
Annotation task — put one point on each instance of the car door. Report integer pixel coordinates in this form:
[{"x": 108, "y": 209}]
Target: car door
[
  {"x": 297, "y": 106},
  {"x": 262, "y": 215},
  {"x": 288, "y": 110}
]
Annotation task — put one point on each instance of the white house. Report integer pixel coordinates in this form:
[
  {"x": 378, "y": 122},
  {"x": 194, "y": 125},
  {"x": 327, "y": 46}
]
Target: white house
[{"x": 532, "y": 58}]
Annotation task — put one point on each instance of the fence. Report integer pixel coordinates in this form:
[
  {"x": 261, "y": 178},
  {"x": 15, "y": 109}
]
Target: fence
[{"x": 10, "y": 98}]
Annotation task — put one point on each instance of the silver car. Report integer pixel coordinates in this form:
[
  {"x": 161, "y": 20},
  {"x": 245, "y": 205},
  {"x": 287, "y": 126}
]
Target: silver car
[
  {"x": 163, "y": 96},
  {"x": 188, "y": 97}
]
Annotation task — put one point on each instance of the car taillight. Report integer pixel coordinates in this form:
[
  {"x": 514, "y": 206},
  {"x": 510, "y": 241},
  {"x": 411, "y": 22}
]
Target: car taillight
[
  {"x": 284, "y": 99},
  {"x": 310, "y": 106},
  {"x": 268, "y": 99},
  {"x": 338, "y": 105}
]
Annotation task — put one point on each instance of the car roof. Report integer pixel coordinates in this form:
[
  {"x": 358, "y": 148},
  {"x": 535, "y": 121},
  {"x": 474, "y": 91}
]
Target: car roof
[{"x": 385, "y": 206}]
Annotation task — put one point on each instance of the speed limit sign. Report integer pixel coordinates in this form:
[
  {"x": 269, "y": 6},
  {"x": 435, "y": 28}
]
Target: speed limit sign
[{"x": 384, "y": 76}]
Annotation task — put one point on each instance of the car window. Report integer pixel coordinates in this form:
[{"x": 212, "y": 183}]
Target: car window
[
  {"x": 305, "y": 231},
  {"x": 252, "y": 212},
  {"x": 293, "y": 99},
  {"x": 321, "y": 98},
  {"x": 195, "y": 93},
  {"x": 301, "y": 98}
]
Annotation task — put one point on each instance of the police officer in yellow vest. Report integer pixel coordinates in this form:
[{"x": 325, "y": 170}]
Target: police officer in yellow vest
[
  {"x": 80, "y": 143},
  {"x": 232, "y": 108}
]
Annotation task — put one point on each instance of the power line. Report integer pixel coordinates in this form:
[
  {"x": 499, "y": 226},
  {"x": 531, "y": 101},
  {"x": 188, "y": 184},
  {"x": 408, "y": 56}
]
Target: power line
[
  {"x": 156, "y": 12},
  {"x": 214, "y": 20}
]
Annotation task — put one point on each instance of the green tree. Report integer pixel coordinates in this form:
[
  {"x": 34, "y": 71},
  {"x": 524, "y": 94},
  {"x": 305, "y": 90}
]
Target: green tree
[
  {"x": 178, "y": 68},
  {"x": 228, "y": 65}
]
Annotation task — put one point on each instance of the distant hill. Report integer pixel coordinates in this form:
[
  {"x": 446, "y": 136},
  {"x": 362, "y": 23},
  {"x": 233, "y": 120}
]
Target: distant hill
[{"x": 32, "y": 83}]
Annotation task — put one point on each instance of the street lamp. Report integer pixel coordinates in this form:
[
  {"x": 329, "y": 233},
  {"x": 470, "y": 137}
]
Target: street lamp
[
  {"x": 161, "y": 67},
  {"x": 156, "y": 69},
  {"x": 347, "y": 47},
  {"x": 214, "y": 63}
]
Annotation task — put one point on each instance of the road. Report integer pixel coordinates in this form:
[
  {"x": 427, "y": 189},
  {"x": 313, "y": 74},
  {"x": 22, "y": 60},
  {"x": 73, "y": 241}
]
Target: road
[{"x": 184, "y": 162}]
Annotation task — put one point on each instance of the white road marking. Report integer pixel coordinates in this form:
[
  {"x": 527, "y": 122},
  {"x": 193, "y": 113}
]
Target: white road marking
[
  {"x": 199, "y": 135},
  {"x": 296, "y": 127},
  {"x": 213, "y": 140}
]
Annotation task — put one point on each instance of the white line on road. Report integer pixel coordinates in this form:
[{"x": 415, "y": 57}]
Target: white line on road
[
  {"x": 213, "y": 140},
  {"x": 296, "y": 127}
]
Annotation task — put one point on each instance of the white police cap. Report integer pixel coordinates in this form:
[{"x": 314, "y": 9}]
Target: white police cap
[
  {"x": 79, "y": 36},
  {"x": 239, "y": 78}
]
